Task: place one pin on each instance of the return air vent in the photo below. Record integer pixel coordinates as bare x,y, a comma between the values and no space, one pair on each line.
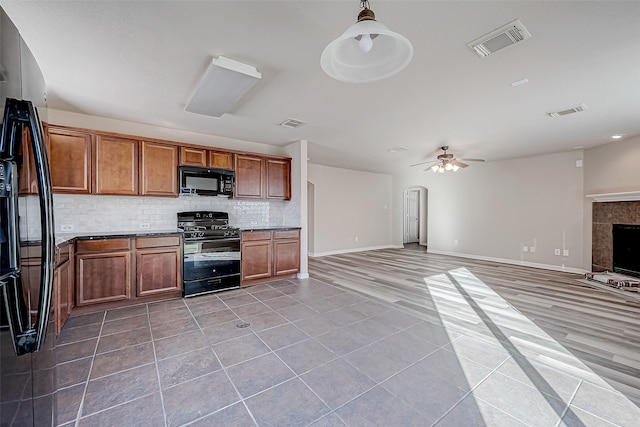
507,35
566,111
292,123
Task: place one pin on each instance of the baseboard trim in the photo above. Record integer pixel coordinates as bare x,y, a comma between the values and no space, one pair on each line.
512,262
347,251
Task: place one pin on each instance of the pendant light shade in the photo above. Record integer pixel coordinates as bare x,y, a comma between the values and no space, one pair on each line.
366,52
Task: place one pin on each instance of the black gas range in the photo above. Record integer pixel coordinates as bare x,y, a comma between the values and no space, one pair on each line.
211,252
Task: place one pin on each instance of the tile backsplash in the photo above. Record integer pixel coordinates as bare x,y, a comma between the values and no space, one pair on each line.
78,213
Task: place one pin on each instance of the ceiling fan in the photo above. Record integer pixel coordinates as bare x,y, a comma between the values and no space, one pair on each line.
446,162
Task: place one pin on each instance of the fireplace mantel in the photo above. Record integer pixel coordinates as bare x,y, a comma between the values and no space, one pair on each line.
630,196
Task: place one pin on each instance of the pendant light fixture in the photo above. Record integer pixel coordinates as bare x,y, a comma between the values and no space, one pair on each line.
367,51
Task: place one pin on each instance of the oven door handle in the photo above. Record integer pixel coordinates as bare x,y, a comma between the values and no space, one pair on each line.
235,255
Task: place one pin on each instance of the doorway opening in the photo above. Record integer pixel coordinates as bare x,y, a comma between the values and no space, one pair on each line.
415,216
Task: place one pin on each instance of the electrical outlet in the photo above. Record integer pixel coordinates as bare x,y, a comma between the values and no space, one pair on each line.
532,249
525,249
66,227
145,225
557,251
565,252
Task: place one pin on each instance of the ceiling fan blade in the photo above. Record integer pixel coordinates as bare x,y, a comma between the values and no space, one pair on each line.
458,163
473,160
422,163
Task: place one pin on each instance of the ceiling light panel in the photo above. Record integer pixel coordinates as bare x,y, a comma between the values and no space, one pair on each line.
221,86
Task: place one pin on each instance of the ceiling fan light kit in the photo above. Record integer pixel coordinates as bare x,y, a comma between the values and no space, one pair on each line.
367,51
446,162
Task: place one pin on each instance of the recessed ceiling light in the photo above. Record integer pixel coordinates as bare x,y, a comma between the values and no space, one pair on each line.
519,82
617,136
397,149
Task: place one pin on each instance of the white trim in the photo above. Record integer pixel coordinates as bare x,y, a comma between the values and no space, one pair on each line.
346,251
302,275
629,196
512,261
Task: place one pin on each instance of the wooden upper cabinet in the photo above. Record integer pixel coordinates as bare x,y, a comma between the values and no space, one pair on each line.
278,179
193,156
249,176
27,179
115,166
159,169
220,160
69,160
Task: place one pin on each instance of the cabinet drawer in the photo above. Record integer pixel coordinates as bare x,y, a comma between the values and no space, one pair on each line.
256,235
103,245
157,242
288,234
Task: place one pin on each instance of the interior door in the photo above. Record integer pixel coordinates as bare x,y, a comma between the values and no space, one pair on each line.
412,216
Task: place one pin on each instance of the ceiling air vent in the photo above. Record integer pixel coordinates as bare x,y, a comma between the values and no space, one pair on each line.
292,123
566,111
500,38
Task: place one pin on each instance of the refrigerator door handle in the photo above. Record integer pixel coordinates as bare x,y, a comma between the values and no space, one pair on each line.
29,338
47,226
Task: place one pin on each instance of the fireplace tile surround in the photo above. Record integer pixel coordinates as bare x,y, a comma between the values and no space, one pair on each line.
605,214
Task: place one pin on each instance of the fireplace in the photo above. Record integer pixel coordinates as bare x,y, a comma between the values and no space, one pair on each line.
626,249
609,218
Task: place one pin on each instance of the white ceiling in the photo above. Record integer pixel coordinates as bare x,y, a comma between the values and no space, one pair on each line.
140,61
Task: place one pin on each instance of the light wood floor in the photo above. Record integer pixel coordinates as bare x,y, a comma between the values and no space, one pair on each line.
599,327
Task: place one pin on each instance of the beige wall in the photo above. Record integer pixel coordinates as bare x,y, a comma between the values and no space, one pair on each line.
613,168
494,209
348,204
609,168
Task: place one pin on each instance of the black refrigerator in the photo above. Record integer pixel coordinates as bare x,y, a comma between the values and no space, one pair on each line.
27,243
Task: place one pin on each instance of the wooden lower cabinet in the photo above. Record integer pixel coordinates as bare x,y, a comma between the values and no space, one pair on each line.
158,265
286,256
269,255
103,277
63,291
256,259
124,269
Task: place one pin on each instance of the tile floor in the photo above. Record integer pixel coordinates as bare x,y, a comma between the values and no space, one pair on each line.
303,352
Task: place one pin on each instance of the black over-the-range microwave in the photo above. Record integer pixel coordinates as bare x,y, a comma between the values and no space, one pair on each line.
206,181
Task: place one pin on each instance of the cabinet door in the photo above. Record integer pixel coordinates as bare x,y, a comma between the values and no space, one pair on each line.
193,156
69,160
249,176
116,166
278,179
159,169
103,277
62,293
158,271
286,257
220,160
256,259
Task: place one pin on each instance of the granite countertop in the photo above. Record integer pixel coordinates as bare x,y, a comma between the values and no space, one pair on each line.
270,228
96,235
